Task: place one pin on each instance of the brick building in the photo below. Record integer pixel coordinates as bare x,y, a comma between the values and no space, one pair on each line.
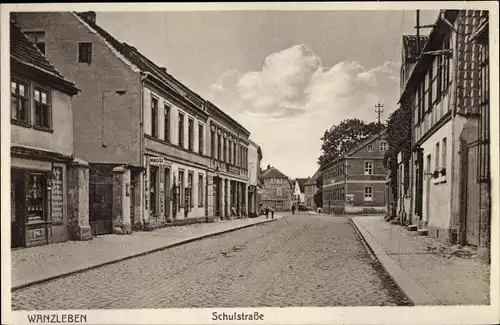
277,190
46,180
355,182
310,189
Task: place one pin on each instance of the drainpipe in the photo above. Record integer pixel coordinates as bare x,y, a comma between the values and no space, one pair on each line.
142,77
453,108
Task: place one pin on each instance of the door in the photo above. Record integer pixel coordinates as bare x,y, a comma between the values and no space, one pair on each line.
167,194
471,196
427,190
17,197
101,200
218,199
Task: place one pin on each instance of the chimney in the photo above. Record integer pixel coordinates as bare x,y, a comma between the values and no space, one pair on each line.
89,15
163,69
268,166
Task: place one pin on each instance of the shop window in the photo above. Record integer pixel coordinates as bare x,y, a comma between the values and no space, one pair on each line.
153,189
190,189
19,101
181,189
200,190
43,111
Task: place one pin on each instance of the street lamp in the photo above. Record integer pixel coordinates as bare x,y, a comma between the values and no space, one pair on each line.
103,96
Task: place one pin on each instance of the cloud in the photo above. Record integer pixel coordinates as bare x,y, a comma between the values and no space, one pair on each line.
293,98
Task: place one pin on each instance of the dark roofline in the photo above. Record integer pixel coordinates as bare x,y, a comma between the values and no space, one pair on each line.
227,117
424,62
355,149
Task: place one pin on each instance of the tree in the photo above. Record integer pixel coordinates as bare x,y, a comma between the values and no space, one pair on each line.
343,137
318,196
399,140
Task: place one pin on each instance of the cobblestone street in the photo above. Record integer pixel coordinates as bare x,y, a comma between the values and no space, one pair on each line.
301,260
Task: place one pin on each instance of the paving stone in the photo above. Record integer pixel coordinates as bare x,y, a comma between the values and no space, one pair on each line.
301,261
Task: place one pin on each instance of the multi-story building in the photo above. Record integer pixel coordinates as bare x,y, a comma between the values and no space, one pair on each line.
443,93
45,177
277,190
228,164
254,174
310,190
144,134
299,196
355,182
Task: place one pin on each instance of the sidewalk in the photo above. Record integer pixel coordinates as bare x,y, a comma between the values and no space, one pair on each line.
429,272
38,264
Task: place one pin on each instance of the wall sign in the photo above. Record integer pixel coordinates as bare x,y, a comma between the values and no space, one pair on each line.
158,161
57,194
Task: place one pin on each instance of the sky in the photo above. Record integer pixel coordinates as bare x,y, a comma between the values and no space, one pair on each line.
286,76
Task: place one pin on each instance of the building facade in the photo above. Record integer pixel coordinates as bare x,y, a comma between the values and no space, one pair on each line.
46,180
147,137
355,182
227,164
444,94
299,196
277,191
310,190
254,174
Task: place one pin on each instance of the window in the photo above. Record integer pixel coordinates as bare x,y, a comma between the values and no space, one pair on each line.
224,157
230,152
443,153
219,145
279,192
446,65
370,148
368,167
436,166
383,146
19,101
190,134
200,190
200,138
234,154
212,143
153,189
181,188
181,130
42,108
166,117
37,38
190,186
368,193
85,52
154,117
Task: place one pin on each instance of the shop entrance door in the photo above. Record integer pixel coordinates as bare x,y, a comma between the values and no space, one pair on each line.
17,197
101,200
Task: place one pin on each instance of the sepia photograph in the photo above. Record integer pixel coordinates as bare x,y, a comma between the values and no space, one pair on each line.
230,164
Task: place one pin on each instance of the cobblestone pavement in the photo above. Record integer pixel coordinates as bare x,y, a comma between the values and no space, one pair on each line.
450,279
300,260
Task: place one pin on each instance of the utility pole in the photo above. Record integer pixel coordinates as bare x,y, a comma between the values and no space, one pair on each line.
379,111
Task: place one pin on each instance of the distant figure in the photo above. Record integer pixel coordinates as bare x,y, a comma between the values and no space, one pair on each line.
233,211
243,212
272,212
293,209
267,213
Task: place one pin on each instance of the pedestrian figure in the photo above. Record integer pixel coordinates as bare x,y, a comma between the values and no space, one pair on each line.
243,212
272,212
233,211
293,209
267,213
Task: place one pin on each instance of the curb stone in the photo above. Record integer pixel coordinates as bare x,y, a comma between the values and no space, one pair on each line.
412,289
150,251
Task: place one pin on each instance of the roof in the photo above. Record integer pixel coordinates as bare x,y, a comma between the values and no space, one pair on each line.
362,144
272,172
302,183
312,180
436,36
26,53
410,47
143,63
